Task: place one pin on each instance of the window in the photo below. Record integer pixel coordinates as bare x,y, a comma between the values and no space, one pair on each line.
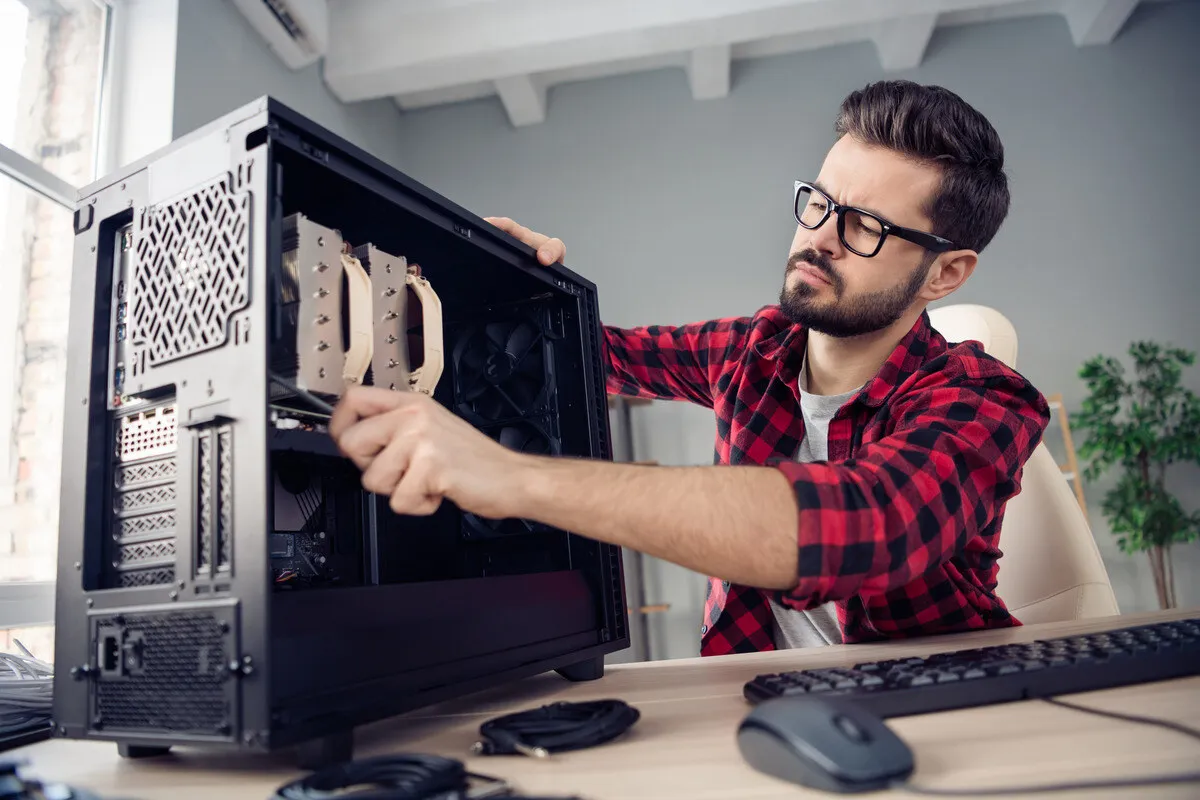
51,59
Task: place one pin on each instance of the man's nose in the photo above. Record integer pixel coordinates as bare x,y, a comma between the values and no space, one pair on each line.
825,238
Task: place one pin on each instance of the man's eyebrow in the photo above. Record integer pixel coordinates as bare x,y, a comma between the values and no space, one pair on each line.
876,212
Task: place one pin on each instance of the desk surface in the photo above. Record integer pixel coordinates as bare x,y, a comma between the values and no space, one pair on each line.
683,746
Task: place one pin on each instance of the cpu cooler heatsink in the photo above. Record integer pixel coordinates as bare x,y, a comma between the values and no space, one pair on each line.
347,310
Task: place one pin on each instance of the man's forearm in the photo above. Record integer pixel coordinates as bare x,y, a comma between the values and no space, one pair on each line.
735,523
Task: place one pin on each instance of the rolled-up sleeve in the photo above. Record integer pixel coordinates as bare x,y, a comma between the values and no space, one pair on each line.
672,362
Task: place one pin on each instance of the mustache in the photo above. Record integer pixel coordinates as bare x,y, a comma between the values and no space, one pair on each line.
815,259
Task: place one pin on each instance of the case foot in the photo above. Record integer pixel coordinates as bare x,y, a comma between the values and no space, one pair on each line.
590,670
141,751
326,751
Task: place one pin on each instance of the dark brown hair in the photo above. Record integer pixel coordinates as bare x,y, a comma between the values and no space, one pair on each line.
934,125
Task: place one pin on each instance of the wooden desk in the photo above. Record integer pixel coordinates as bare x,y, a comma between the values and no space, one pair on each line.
683,746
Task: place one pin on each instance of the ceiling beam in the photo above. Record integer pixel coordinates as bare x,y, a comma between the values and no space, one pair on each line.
708,71
901,43
379,48
523,99
1097,21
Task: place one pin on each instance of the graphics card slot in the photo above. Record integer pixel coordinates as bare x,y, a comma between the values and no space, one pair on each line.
140,547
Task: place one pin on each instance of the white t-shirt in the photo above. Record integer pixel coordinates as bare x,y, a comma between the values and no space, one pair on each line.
814,627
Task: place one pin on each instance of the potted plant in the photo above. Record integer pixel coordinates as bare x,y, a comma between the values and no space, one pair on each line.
1142,424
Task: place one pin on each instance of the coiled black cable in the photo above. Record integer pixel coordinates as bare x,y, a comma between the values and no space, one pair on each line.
556,727
405,776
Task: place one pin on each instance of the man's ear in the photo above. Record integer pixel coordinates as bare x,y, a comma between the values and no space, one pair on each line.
949,272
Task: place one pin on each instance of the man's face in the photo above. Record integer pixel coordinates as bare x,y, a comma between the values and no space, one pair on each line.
831,289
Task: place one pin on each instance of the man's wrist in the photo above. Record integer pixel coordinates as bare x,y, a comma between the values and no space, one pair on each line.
528,485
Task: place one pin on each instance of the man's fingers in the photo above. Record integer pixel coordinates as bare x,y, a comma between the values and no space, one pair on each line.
384,473
414,495
364,440
360,402
513,228
553,250
548,250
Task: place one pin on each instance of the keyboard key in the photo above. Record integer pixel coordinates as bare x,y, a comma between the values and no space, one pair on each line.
1001,673
1003,668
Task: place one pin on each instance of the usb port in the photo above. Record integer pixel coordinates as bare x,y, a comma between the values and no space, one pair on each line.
121,333
121,312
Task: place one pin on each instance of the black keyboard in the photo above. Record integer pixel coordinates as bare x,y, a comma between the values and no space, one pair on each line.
1000,674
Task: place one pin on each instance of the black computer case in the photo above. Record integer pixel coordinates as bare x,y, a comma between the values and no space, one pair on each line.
223,578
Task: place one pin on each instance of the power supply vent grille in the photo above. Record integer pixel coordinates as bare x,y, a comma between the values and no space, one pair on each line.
180,681
190,274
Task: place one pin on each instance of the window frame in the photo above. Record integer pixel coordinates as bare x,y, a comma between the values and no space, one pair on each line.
26,604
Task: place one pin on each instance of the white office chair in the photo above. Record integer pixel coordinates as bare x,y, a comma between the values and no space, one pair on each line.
1051,569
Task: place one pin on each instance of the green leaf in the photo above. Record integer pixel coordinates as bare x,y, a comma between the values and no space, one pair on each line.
1140,423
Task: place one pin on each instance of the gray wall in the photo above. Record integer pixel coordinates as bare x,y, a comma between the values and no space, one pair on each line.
679,210
222,63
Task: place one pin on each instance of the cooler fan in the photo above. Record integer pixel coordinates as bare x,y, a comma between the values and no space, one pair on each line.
501,369
526,438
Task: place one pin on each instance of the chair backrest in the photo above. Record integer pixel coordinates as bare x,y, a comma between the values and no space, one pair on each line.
1051,569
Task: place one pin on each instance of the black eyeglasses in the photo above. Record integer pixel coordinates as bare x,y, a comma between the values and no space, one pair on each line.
860,231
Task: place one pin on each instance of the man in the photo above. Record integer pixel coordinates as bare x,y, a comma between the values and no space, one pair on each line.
864,463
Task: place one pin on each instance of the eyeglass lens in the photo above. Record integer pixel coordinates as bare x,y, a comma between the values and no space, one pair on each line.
860,233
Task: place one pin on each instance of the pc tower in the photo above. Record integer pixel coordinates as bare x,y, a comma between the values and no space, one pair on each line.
224,579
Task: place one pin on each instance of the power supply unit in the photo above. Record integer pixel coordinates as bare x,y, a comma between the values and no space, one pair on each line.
224,580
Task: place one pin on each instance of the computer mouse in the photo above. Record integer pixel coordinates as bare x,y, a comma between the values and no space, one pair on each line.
823,743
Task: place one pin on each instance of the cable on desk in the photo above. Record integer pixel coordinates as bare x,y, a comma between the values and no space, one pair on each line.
404,776
1162,723
555,727
1111,783
15,787
26,693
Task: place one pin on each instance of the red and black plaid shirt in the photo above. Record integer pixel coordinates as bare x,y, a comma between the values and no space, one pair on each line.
900,527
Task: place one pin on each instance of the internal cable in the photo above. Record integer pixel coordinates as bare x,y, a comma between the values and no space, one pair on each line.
310,398
555,728
1111,783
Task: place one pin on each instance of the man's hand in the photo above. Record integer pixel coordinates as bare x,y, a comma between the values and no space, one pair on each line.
733,522
548,250
416,452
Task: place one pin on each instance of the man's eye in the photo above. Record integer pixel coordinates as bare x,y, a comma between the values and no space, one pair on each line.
866,230
817,206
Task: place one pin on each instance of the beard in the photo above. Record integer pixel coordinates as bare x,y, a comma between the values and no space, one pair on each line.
844,318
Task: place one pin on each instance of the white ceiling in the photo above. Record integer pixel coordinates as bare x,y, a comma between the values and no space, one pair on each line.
422,53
